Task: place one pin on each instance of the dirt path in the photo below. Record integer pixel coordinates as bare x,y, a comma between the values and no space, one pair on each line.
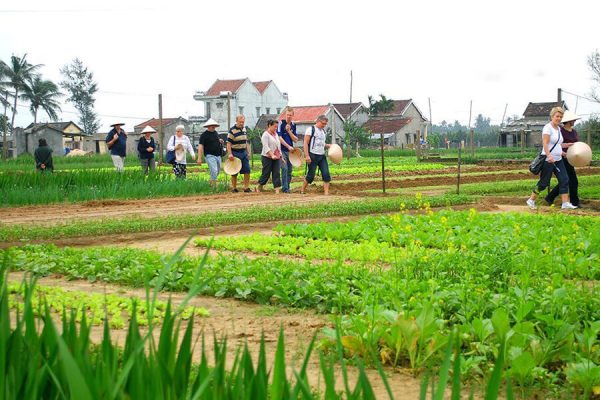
58,213
245,323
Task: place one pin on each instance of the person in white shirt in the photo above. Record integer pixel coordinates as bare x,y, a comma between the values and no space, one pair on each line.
551,140
314,149
181,144
270,157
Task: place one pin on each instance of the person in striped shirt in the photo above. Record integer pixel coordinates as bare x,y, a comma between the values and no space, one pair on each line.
237,146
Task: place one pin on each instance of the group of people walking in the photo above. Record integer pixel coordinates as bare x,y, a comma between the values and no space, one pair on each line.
277,143
556,140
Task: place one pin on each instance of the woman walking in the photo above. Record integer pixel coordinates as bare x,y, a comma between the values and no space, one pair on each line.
270,157
552,140
181,144
146,148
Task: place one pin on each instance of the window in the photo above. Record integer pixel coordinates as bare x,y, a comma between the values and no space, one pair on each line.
207,109
268,110
219,106
278,110
241,110
258,111
407,138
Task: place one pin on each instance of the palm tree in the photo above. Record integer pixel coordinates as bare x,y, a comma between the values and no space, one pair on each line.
4,101
18,73
42,94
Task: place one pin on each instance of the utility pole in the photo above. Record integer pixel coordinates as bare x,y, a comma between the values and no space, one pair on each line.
471,134
161,134
559,95
350,86
382,165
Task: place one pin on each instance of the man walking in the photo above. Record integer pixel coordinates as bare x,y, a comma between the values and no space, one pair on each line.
287,136
237,146
314,150
116,141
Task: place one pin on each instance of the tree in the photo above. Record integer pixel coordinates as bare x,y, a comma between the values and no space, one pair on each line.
594,64
381,106
4,102
42,94
17,74
482,124
355,135
80,85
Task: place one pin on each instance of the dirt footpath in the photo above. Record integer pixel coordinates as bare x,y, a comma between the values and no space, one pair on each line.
100,209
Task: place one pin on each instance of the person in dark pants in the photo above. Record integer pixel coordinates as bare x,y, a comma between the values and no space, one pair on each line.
287,136
552,139
237,146
43,157
314,149
146,148
570,136
271,157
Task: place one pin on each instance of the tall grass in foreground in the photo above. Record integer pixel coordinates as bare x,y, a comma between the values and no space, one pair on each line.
36,361
81,185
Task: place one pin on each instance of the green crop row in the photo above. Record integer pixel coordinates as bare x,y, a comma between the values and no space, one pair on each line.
95,306
9,233
74,186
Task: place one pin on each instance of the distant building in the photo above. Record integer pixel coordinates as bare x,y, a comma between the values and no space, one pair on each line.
251,99
59,135
529,128
306,116
401,127
356,112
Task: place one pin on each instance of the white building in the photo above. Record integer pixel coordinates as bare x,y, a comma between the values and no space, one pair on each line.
226,99
401,127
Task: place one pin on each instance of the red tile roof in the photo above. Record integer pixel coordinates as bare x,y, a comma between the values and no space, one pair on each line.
155,122
231,85
399,106
306,114
380,125
346,109
261,86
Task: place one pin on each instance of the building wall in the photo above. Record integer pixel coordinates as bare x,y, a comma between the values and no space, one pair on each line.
54,139
360,117
273,101
415,126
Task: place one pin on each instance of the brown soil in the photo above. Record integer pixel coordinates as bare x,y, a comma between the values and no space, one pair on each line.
101,209
245,323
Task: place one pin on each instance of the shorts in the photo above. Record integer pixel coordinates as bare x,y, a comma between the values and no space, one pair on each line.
242,155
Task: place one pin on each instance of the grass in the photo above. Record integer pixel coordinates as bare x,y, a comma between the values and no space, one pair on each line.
17,189
10,233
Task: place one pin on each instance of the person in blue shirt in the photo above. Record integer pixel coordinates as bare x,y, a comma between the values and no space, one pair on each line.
116,141
286,130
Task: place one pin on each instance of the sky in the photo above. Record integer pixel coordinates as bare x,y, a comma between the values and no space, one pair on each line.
495,54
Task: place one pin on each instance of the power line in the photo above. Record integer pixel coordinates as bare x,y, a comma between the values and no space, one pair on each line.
580,96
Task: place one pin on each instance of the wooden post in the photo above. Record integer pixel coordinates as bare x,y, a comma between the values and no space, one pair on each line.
458,175
161,133
472,140
382,166
589,136
418,145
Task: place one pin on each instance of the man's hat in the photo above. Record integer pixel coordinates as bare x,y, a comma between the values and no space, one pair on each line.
117,124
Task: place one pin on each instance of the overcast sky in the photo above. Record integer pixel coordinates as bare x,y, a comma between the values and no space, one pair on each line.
491,52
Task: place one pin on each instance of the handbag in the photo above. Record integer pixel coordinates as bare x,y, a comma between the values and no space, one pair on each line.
170,156
535,167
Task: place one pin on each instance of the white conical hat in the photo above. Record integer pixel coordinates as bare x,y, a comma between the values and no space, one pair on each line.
150,129
335,154
295,156
579,154
232,167
211,122
569,116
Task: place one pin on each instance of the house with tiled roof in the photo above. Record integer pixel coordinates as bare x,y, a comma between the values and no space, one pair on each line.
356,112
401,127
59,135
227,98
306,116
169,125
528,130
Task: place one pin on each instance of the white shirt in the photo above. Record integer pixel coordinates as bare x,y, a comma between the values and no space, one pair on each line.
185,142
269,143
555,136
318,143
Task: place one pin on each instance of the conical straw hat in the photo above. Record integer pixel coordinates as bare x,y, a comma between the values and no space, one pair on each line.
295,157
232,167
335,154
579,155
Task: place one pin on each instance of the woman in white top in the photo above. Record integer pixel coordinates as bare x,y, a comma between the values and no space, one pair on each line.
270,157
551,140
181,144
